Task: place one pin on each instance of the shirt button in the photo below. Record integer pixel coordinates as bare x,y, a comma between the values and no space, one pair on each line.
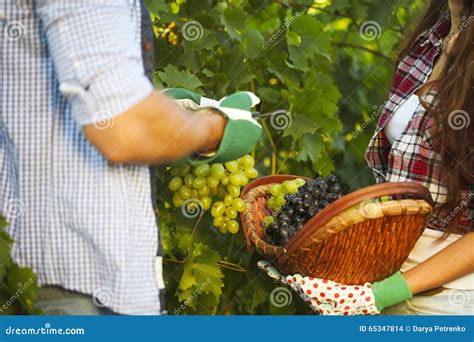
147,46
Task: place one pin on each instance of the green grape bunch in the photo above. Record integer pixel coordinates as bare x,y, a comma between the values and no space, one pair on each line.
213,186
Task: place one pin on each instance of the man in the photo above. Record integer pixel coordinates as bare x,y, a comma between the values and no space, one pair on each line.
79,123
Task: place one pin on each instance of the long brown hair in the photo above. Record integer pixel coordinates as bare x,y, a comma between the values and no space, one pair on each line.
454,101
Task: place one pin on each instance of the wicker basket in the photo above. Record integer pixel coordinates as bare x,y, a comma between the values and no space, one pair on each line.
351,241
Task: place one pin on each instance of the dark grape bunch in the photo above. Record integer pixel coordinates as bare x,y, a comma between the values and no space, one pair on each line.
313,196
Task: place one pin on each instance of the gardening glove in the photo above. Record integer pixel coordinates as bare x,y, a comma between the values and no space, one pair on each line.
330,298
242,131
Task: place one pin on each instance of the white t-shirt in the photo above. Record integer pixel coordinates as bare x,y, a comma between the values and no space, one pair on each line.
399,120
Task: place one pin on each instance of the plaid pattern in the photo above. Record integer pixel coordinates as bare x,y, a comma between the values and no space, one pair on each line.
415,156
78,221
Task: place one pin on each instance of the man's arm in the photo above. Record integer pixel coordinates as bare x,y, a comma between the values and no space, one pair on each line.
99,67
154,131
453,262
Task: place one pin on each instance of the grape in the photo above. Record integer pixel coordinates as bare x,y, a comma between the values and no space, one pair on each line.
231,213
204,191
291,187
202,170
188,180
218,209
175,183
225,180
331,179
206,202
280,200
199,182
251,173
177,200
185,192
212,182
246,162
233,190
238,204
223,228
194,193
232,166
228,200
217,171
233,226
218,221
277,189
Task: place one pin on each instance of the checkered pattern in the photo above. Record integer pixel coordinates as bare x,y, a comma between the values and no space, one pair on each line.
415,156
78,221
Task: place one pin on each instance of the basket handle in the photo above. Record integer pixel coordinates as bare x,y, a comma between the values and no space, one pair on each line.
379,190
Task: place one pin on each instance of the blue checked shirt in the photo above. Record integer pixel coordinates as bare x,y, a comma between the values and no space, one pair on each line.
80,222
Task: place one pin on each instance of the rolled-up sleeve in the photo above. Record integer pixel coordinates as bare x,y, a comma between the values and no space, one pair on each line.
96,55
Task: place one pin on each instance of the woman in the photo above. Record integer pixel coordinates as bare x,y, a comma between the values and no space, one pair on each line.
425,135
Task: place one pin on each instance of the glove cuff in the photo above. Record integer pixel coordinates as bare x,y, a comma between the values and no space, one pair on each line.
391,291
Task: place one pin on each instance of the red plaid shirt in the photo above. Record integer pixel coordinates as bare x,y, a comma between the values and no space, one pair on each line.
415,156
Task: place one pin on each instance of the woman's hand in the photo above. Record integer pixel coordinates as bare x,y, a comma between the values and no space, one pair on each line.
330,298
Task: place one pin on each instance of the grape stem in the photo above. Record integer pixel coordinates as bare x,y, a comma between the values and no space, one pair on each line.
272,145
222,263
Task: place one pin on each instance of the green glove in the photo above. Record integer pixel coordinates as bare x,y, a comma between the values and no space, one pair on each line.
391,291
242,131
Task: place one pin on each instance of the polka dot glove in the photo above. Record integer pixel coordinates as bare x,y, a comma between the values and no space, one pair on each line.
328,297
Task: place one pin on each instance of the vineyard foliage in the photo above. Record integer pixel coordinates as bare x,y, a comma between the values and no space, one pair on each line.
321,68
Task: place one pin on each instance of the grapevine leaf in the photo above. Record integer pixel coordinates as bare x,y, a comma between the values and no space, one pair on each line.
306,40
300,126
201,272
311,148
172,77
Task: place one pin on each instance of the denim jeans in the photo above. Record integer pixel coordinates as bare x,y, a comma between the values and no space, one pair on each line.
447,302
56,301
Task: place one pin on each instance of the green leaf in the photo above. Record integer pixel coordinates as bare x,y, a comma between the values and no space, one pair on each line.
252,44
201,273
156,6
21,282
311,148
234,21
306,40
174,78
301,125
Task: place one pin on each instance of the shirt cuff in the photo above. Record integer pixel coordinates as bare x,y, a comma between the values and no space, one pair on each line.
110,94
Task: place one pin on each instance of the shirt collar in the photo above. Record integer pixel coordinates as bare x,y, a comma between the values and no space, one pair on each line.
439,30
